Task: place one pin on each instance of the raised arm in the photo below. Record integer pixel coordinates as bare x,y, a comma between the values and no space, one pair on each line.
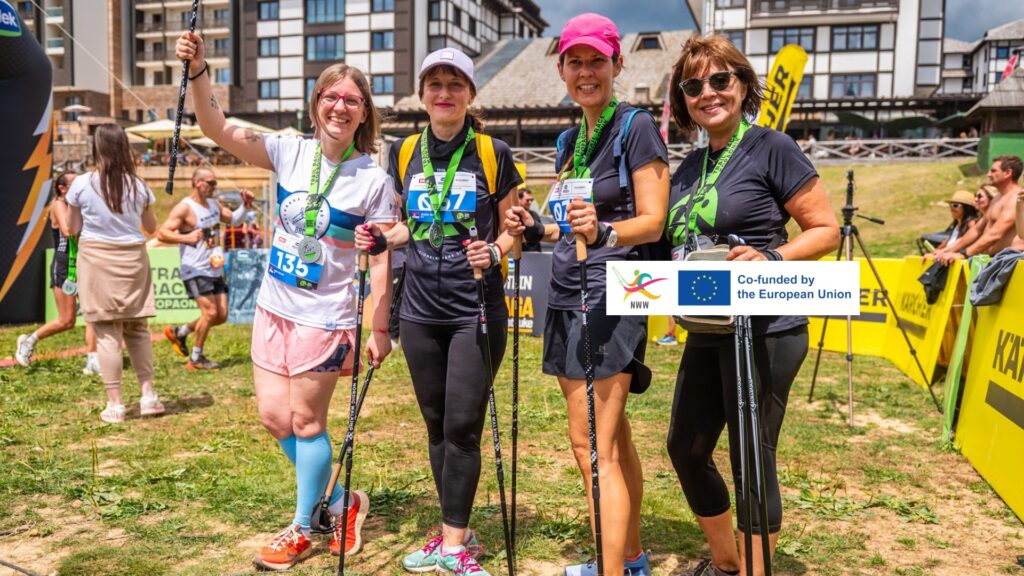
245,144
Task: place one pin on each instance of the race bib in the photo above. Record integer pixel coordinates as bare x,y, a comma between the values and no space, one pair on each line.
458,208
286,266
562,194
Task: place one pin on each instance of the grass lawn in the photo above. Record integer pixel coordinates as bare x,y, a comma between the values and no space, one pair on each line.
199,490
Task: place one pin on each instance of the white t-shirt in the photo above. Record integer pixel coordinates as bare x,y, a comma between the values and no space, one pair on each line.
98,222
361,193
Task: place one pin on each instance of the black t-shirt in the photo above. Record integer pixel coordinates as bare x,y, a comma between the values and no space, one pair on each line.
643,145
765,171
439,285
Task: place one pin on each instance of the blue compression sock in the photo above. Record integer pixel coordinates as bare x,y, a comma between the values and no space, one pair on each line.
312,472
288,447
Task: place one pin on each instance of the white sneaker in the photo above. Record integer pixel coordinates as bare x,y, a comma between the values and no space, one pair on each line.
113,414
150,406
92,366
23,354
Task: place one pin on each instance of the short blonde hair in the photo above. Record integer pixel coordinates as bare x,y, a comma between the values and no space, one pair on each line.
368,133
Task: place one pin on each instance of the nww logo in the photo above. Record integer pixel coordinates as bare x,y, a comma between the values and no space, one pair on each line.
639,285
9,25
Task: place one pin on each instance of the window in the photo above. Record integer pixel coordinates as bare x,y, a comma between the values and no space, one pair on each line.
435,10
310,85
325,47
222,46
472,26
849,38
222,75
383,5
25,7
1002,52
457,16
158,78
782,36
318,11
222,16
649,42
853,86
805,91
269,46
730,3
269,88
383,84
736,37
268,10
383,40
435,43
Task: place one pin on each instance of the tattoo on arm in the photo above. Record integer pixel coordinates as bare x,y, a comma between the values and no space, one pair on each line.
251,136
213,103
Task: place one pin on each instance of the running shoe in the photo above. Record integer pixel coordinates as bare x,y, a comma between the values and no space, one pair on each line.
667,340
462,564
705,568
425,559
638,567
203,363
150,406
180,343
92,367
23,353
288,548
356,515
113,414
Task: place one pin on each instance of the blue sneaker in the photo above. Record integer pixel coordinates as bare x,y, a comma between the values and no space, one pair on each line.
638,567
667,340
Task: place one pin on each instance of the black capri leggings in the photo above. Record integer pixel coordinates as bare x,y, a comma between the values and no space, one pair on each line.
705,401
449,377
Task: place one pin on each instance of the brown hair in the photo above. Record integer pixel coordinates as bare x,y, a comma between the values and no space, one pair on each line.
476,117
698,54
368,133
62,180
1011,163
115,164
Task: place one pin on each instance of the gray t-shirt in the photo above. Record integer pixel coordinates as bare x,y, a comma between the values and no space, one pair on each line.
643,145
439,286
766,171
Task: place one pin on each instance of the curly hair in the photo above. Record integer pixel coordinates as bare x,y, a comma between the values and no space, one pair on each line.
700,53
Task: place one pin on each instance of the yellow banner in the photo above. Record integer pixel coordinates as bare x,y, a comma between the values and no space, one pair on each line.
991,428
781,87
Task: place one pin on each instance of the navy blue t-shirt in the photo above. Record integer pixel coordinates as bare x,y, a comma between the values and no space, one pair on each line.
643,145
766,170
439,285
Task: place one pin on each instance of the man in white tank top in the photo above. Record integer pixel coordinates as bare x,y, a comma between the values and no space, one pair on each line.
194,224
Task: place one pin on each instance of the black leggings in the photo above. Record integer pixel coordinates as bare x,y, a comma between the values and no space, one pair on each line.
705,401
449,377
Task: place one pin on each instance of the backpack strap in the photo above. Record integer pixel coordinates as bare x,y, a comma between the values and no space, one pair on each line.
619,145
485,150
405,155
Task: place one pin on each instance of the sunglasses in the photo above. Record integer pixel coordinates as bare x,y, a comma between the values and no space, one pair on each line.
955,205
331,99
210,183
719,82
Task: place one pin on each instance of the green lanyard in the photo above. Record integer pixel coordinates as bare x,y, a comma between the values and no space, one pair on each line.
437,200
585,148
316,197
707,182
73,258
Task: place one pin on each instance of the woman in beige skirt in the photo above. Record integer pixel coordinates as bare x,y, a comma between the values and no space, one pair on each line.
108,209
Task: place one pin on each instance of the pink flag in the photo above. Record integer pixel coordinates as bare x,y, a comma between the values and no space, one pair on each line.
1010,67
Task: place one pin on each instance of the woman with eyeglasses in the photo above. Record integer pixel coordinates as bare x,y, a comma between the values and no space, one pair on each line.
749,181
305,325
453,181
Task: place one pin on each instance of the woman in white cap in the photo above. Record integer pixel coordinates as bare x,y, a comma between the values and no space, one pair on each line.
451,179
616,222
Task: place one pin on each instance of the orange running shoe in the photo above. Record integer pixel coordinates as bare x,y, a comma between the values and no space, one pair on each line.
356,515
288,548
180,344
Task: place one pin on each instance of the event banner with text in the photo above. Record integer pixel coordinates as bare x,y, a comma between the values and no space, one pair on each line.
745,288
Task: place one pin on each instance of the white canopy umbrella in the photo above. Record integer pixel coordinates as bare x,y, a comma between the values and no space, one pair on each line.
249,125
164,129
205,142
76,108
289,131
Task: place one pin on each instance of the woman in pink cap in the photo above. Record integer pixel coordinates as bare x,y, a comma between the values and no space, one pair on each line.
617,224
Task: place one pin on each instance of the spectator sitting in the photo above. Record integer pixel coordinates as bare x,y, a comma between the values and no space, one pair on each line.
965,214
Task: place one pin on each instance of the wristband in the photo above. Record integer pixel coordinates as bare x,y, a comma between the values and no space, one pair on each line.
206,68
380,244
534,233
772,255
381,330
603,232
495,254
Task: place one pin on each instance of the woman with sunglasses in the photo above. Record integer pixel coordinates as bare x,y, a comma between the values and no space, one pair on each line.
749,181
948,250
442,177
615,223
965,216
305,326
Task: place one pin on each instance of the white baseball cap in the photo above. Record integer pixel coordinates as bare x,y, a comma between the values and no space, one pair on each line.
449,57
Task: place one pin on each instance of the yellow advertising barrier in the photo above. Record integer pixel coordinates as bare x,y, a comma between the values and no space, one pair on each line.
990,432
781,87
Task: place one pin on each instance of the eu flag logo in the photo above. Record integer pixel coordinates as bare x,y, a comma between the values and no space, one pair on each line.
705,288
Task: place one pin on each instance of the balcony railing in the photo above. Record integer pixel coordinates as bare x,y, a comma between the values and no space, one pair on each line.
218,52
153,55
175,25
150,27
787,7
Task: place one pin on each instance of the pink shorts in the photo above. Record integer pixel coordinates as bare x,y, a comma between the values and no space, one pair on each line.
286,348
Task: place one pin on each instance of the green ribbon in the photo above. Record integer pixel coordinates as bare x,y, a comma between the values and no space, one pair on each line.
73,258
316,196
436,199
585,147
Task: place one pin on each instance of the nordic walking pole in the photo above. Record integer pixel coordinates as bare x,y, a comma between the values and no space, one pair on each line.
478,275
173,164
743,497
588,366
517,254
755,440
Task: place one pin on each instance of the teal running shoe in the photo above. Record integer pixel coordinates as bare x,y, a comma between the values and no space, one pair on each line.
425,559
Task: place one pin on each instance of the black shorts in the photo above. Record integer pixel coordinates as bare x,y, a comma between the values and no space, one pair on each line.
205,286
620,344
58,269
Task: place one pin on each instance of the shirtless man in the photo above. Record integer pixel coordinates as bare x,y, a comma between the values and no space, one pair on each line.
194,224
999,230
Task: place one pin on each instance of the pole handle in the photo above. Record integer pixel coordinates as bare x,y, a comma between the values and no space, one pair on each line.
478,274
364,261
581,248
517,247
335,472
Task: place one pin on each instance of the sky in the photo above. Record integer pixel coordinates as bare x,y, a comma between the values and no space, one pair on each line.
965,19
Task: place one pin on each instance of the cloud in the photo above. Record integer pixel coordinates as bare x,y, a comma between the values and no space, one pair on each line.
969,19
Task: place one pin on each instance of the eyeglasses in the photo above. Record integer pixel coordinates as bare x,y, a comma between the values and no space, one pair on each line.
210,183
955,205
719,82
331,100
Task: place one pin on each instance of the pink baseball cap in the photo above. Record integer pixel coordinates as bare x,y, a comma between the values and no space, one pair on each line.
591,30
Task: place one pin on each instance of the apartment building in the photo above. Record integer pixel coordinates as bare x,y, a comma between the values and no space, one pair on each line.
977,67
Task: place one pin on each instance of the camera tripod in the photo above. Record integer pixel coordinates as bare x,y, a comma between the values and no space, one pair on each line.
849,233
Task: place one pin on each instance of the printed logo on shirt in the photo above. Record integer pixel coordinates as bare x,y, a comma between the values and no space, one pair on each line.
9,24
